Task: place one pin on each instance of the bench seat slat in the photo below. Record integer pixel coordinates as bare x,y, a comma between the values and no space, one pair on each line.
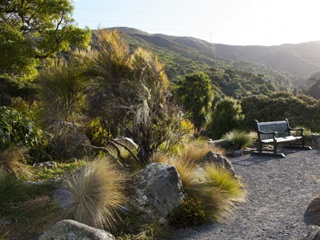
282,139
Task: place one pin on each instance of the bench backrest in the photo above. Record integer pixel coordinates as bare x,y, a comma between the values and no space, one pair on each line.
282,127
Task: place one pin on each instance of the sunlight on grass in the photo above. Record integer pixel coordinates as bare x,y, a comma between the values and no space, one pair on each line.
98,193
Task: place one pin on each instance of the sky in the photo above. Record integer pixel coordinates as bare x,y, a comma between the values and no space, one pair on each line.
235,22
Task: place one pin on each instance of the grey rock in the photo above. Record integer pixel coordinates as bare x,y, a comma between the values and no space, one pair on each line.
312,214
219,160
314,234
72,230
64,198
48,165
157,191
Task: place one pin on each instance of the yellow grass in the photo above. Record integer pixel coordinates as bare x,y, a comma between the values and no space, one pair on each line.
98,191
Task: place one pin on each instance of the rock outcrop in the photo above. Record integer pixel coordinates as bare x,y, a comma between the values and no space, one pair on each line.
156,191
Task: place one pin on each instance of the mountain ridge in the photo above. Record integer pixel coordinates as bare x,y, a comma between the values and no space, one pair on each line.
302,59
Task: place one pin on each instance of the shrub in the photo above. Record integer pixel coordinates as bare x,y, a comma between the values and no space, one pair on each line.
226,116
98,193
237,140
300,110
188,214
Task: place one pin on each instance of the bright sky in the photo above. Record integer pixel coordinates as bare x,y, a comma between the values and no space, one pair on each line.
236,22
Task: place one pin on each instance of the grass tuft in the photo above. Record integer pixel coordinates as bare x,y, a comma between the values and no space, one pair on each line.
213,188
11,161
98,193
236,140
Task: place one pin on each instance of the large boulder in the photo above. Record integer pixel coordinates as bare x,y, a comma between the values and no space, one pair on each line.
312,219
218,159
72,230
314,234
156,191
312,214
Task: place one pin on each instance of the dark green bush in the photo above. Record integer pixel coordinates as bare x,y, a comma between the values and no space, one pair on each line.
300,110
16,128
226,116
189,213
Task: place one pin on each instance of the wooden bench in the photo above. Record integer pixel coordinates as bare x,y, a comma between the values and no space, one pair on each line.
278,132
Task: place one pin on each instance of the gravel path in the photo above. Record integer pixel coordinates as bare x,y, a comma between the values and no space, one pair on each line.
279,191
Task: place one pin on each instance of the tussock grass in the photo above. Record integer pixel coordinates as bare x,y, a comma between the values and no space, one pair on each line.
196,151
237,140
213,187
12,191
98,191
11,161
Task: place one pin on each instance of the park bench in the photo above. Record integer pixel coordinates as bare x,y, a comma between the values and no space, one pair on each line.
279,132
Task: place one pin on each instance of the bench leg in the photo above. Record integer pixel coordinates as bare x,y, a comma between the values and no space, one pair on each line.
260,147
275,148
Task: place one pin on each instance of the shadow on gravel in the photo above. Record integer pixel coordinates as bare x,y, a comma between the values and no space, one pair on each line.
252,159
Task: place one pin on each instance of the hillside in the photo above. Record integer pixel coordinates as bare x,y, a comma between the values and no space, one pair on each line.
298,59
285,67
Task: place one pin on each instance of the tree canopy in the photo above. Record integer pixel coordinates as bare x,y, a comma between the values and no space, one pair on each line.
32,30
195,93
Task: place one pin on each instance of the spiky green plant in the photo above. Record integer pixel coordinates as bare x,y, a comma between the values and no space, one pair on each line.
194,152
237,139
11,191
218,191
212,186
98,193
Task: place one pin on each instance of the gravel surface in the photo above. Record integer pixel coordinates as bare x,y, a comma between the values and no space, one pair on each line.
278,193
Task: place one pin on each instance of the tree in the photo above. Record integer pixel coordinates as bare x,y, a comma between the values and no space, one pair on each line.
33,30
226,116
195,94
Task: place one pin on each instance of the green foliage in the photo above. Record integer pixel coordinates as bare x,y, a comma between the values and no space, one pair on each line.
130,93
12,87
17,128
62,93
220,190
300,110
236,139
12,191
98,193
33,30
63,168
188,214
195,93
212,188
226,116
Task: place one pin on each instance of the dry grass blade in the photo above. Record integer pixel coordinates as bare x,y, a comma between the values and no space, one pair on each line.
98,193
11,162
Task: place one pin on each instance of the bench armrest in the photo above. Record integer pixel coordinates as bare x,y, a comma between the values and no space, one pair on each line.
298,129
